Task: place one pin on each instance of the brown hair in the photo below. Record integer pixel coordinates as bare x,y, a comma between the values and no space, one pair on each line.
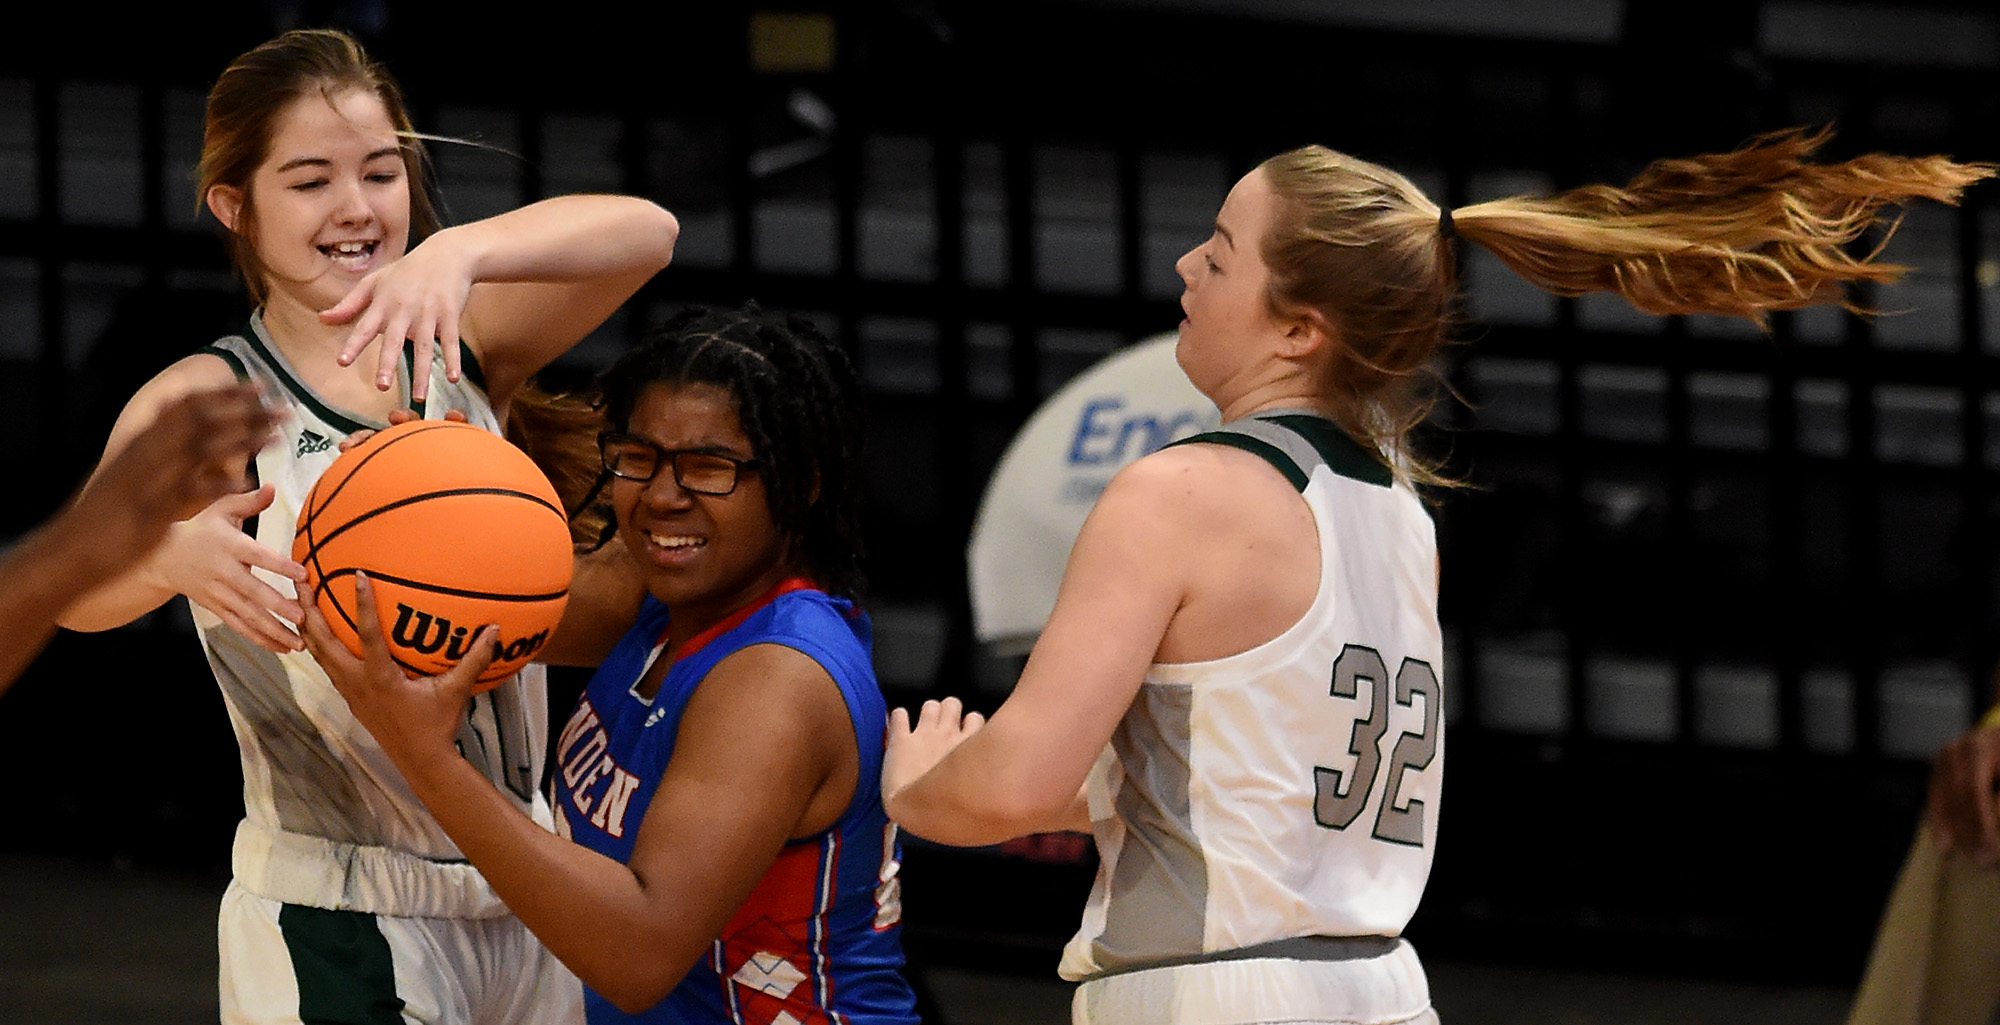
256,88
1741,233
558,430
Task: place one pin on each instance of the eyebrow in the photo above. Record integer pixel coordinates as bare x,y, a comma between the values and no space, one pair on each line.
708,449
1226,236
298,162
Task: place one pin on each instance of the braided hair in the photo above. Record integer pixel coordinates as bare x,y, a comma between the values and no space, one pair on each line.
797,398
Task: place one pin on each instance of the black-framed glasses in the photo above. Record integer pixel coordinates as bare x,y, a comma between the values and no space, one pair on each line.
704,473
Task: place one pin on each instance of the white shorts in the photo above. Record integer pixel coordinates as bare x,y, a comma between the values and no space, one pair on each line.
1387,990
290,963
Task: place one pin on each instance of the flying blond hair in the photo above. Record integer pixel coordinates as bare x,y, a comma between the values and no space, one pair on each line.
1741,233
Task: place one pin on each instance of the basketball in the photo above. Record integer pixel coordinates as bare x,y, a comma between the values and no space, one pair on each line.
456,528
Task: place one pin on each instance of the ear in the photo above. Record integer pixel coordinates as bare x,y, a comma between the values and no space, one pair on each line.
226,203
1306,333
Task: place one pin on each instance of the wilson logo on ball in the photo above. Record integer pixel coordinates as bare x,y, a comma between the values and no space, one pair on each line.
425,634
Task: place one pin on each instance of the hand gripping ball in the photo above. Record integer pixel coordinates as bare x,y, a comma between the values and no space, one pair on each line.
456,528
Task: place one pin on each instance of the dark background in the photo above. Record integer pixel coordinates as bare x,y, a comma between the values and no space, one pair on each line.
1712,598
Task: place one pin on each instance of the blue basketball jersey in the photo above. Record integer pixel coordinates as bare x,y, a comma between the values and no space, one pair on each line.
819,939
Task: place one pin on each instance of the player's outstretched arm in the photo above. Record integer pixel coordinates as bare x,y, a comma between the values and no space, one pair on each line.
194,451
519,288
953,780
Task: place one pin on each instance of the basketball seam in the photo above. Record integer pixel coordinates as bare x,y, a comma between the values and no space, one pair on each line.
313,509
314,544
456,592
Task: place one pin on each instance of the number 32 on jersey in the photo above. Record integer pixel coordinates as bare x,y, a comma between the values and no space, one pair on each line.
1341,796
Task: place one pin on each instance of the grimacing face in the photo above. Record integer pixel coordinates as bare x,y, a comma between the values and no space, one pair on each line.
703,555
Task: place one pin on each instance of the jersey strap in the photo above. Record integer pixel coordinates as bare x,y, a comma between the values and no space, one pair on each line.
235,362
1294,443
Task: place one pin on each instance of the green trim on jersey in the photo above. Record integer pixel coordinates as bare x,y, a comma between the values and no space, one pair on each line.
298,389
1341,454
1262,449
467,363
343,966
235,362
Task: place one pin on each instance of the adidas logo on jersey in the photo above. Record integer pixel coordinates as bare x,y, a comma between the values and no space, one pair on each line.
310,442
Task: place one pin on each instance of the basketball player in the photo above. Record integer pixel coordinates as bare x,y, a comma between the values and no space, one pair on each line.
1247,628
348,901
192,454
731,860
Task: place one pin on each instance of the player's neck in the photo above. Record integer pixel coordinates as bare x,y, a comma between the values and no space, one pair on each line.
312,348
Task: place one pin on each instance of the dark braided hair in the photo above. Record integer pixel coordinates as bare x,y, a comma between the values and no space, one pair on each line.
797,397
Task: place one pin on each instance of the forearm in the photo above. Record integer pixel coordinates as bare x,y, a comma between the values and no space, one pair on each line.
592,912
568,239
40,577
106,596
976,796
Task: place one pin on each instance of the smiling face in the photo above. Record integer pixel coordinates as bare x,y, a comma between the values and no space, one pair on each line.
703,555
1225,281
329,203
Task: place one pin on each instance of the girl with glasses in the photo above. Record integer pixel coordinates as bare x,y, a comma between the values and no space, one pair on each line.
731,860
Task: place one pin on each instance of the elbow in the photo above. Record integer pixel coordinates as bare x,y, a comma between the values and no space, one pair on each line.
83,619
1037,812
634,1001
643,971
635,990
665,232
1002,816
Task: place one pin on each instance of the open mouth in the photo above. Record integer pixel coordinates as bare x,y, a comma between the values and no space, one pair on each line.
676,542
349,252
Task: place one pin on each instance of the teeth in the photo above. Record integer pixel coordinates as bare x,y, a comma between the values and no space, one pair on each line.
350,248
674,541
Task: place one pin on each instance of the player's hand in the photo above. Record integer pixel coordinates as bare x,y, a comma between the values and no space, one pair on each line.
420,297
1964,785
396,416
914,749
209,558
197,450
414,719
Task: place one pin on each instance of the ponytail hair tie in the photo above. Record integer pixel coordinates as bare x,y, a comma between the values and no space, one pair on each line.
1446,229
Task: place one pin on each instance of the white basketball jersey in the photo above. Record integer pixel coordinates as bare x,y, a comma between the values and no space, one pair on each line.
315,783
1290,790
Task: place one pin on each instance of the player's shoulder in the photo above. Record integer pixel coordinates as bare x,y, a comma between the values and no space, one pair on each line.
195,372
1197,473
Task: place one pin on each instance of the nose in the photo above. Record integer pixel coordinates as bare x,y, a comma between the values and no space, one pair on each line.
664,492
353,207
1185,266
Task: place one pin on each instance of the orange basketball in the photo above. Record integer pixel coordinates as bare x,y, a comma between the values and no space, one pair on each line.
456,528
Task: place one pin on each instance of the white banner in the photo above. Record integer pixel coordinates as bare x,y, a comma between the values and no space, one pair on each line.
1127,405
